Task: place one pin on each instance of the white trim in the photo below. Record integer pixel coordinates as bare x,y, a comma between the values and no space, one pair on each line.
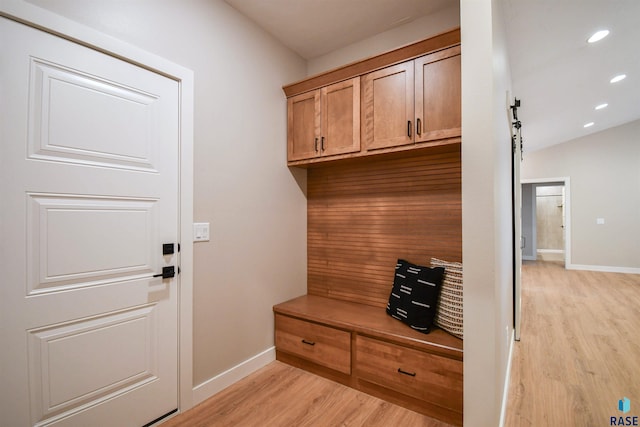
556,255
50,22
185,303
45,20
507,380
542,180
604,268
221,381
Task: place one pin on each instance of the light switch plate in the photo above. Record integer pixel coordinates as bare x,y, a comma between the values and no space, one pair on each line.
200,231
599,221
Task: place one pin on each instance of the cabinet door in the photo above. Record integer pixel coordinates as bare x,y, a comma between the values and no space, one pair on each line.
438,95
387,109
320,344
428,377
303,126
340,118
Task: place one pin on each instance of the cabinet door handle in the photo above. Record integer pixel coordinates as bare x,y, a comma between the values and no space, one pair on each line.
308,342
315,145
409,128
411,374
322,143
419,127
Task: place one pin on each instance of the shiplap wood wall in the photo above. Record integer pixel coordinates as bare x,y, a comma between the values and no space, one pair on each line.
364,215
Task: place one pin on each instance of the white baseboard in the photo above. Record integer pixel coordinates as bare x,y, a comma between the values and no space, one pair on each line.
604,268
203,391
550,254
507,378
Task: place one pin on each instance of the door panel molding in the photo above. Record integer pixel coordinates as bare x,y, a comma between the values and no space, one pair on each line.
59,92
129,333
96,224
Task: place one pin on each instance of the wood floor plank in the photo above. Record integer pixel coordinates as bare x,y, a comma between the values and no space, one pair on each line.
579,347
281,395
578,355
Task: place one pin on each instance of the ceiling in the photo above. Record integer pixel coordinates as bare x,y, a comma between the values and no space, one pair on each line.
556,74
561,78
315,27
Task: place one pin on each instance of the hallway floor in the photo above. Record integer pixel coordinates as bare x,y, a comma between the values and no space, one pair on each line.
579,351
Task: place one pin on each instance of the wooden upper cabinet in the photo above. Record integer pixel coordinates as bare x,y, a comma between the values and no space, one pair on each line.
303,126
408,98
340,118
412,102
325,121
438,95
387,106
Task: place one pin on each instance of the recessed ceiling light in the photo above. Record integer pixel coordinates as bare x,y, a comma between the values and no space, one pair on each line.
618,78
588,125
597,36
601,106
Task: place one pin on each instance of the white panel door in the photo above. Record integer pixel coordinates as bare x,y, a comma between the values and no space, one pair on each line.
89,193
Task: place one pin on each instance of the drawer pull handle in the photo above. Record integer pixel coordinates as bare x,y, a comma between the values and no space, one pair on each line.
411,374
310,343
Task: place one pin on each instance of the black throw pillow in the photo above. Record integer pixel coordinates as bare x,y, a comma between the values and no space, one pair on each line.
414,295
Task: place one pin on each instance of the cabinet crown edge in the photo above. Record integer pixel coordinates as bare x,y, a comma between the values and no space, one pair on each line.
432,44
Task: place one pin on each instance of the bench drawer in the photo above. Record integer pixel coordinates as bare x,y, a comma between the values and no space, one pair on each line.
320,344
425,376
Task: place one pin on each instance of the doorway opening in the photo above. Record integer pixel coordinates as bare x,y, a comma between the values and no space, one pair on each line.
546,220
528,227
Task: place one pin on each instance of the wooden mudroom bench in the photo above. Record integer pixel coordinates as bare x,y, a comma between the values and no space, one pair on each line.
380,139
362,347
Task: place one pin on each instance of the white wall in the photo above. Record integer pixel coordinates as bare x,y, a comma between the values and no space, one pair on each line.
419,29
604,168
255,204
486,211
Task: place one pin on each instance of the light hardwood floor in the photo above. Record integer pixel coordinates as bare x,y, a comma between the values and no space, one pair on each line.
579,350
579,354
281,395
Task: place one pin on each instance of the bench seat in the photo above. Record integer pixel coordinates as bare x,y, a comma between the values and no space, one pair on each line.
362,347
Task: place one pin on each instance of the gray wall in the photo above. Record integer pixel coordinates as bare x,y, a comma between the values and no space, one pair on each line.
604,172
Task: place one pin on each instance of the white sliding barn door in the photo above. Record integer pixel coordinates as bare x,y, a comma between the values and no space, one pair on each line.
518,242
89,192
